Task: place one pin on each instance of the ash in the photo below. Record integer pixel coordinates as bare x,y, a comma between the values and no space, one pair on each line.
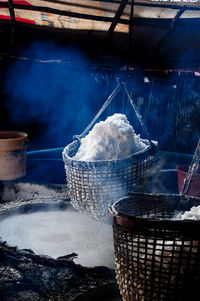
111,139
56,233
25,276
30,191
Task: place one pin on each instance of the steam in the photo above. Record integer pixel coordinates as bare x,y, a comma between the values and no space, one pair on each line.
53,101
53,92
111,139
60,233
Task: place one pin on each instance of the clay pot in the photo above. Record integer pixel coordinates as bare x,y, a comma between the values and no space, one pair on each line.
12,155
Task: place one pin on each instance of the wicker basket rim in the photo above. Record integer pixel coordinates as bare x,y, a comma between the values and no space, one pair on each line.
114,213
147,148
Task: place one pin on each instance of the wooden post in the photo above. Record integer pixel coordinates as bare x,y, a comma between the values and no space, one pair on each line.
12,16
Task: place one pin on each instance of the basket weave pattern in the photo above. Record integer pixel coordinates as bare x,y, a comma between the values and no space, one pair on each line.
156,260
93,186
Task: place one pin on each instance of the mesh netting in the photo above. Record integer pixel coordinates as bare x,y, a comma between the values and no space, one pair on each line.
155,258
93,186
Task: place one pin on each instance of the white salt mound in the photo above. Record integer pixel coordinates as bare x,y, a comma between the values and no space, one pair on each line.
111,139
193,213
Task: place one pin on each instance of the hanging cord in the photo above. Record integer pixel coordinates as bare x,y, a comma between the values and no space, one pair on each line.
191,171
106,103
120,85
139,117
130,36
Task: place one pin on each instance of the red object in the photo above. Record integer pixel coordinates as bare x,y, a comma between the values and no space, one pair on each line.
195,186
2,17
18,2
22,2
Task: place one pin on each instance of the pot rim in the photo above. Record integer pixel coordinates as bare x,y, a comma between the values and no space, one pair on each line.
180,169
18,136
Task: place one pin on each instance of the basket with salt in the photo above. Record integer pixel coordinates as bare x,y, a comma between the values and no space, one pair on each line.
157,244
96,178
157,258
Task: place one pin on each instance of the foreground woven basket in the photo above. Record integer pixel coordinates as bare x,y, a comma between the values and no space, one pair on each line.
93,186
155,258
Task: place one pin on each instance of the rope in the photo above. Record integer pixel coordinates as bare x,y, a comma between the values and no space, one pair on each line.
191,171
139,117
107,102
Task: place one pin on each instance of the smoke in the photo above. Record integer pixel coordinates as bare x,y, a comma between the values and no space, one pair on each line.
53,100
54,92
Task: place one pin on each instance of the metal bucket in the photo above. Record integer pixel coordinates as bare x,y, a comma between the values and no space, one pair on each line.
12,155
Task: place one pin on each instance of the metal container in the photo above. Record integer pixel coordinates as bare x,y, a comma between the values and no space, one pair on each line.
12,155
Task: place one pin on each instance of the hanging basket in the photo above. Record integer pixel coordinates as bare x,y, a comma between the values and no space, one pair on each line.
94,185
156,258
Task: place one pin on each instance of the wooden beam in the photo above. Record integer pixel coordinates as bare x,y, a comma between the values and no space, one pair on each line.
64,13
167,4
166,34
11,10
116,18
12,17
130,38
111,29
193,6
169,31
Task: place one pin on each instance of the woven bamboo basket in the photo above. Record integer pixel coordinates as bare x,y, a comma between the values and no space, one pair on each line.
94,185
156,258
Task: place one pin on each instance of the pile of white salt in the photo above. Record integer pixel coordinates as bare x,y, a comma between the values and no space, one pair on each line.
193,213
111,139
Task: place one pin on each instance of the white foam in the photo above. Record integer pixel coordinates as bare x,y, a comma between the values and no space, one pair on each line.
111,139
59,233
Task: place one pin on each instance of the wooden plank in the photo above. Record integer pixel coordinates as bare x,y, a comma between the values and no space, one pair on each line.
116,17
168,32
98,15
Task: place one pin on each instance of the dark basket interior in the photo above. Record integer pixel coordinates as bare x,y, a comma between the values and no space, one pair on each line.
156,258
